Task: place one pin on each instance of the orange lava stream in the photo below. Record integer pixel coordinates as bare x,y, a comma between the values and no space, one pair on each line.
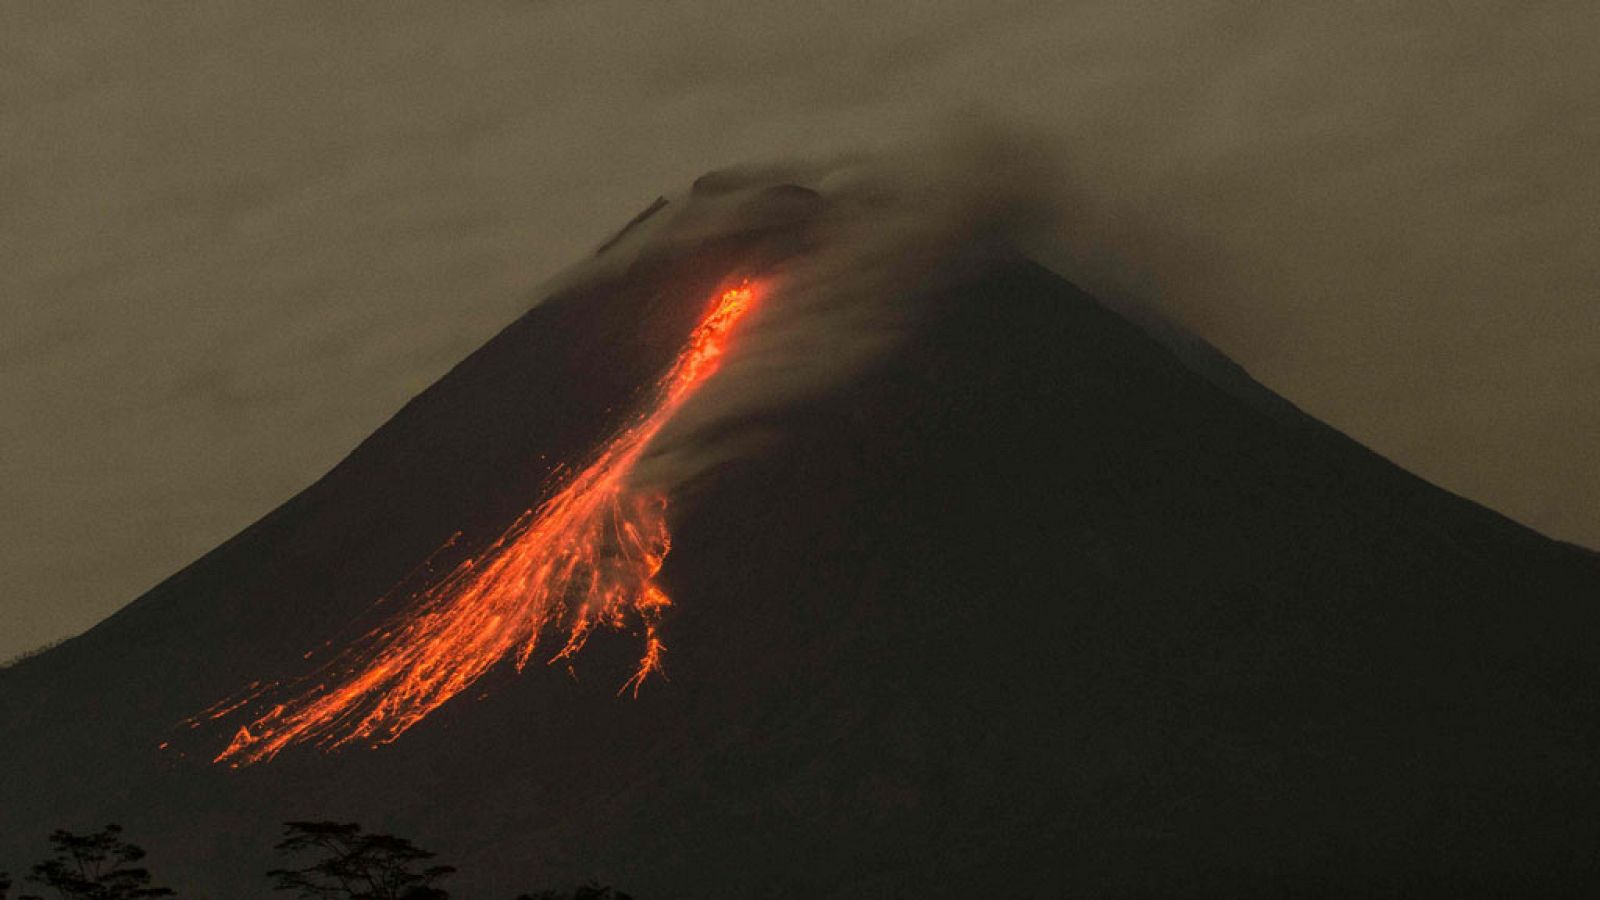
586,557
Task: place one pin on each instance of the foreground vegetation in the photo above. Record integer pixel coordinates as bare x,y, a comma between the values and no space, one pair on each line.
332,861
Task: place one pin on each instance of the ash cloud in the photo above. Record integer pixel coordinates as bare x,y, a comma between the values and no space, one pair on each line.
878,230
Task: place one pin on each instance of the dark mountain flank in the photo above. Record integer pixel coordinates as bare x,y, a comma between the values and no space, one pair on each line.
1026,606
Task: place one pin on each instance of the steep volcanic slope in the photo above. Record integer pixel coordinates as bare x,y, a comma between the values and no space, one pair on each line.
1027,606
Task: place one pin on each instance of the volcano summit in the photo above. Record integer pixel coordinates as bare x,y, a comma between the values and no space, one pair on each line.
976,588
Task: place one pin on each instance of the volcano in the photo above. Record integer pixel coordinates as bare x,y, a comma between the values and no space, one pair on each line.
1025,598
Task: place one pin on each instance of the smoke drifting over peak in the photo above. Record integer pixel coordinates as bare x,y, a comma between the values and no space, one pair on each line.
858,239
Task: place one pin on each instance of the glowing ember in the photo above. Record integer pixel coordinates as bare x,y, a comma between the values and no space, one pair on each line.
585,558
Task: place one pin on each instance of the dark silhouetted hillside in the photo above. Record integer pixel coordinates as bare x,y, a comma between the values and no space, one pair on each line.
1028,604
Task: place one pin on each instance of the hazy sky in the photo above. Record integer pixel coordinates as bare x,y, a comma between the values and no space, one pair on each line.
236,236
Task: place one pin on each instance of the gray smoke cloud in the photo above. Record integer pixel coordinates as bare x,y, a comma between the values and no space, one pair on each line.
878,229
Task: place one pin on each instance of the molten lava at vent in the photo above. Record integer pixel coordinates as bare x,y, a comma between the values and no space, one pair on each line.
587,557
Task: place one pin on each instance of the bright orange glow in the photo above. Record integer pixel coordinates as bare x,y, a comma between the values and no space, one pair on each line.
586,557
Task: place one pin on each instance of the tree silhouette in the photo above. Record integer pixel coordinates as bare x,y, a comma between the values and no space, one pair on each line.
588,891
5,885
97,866
353,865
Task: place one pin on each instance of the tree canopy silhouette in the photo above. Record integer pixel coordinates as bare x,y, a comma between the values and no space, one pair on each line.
343,862
95,866
350,864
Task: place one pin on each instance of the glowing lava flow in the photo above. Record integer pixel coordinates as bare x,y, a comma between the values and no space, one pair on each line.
586,557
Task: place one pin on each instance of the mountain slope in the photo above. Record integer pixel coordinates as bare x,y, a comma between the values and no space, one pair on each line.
1026,605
